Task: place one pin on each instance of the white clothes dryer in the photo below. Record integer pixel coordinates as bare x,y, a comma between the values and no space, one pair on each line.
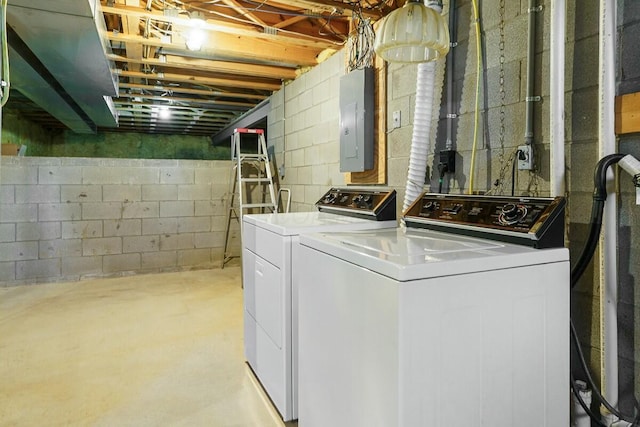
271,278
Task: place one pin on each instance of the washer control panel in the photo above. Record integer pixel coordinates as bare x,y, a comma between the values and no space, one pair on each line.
537,222
366,203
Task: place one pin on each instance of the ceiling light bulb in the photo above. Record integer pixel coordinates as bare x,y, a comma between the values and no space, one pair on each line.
196,35
413,33
164,113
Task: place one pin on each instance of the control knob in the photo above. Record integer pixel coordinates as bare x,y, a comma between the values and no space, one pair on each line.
429,206
329,198
510,211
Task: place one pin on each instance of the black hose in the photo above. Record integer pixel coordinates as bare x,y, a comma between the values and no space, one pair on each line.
591,244
599,197
590,381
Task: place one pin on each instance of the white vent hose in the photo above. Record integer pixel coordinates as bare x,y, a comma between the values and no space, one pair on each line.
420,140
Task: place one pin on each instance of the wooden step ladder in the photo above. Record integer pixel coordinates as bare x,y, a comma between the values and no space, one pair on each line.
251,178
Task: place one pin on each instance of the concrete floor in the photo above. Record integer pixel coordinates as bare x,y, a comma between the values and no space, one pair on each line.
146,350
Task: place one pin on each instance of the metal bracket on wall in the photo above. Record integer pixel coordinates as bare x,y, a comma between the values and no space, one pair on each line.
533,98
535,9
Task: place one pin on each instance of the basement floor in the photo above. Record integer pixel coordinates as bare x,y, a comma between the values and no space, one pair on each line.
147,350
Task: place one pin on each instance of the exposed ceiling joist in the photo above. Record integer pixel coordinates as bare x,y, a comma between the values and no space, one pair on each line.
250,49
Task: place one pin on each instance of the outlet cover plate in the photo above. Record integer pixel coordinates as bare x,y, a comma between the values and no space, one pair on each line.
525,159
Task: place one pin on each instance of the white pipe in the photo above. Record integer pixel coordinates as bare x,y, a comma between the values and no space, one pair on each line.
420,140
580,416
558,31
608,240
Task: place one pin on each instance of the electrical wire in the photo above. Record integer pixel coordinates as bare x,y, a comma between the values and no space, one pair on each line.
476,113
181,6
361,42
4,78
594,387
513,172
442,169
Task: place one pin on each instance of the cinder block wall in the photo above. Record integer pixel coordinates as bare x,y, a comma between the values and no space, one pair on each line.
68,218
304,133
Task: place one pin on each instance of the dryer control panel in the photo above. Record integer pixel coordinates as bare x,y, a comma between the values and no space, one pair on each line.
377,205
537,222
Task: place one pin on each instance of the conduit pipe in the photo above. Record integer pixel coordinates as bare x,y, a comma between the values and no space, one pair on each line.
558,31
608,240
451,114
531,58
580,417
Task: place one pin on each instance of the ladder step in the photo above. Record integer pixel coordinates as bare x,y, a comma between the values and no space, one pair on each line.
257,170
258,205
245,130
261,157
255,180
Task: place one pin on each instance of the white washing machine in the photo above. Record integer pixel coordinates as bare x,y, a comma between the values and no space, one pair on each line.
271,278
419,327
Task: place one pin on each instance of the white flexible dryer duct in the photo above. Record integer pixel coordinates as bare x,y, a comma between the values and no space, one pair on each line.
422,118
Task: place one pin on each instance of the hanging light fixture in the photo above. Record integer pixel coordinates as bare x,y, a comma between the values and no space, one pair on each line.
413,33
196,35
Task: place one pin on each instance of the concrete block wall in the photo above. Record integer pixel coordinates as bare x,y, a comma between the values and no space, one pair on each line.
68,218
303,132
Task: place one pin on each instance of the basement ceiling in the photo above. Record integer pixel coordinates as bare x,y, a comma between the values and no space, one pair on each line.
250,48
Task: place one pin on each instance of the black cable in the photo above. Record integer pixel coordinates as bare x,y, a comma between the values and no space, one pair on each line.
591,244
592,384
513,172
599,197
442,169
582,403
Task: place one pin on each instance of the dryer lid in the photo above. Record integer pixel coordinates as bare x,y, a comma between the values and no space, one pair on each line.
414,254
294,223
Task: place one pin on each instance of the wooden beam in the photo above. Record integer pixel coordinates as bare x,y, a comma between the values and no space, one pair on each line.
223,27
176,117
228,82
149,106
235,48
244,12
180,89
627,113
185,63
290,21
198,101
330,6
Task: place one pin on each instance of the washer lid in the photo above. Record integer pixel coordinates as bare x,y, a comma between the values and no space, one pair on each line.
294,223
414,254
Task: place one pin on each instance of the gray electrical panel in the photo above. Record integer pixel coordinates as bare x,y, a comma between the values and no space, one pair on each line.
357,120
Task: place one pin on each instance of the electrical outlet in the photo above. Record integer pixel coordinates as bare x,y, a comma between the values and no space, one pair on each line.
396,119
448,159
525,157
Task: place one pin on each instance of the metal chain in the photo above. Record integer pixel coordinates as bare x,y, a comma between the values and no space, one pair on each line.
504,163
